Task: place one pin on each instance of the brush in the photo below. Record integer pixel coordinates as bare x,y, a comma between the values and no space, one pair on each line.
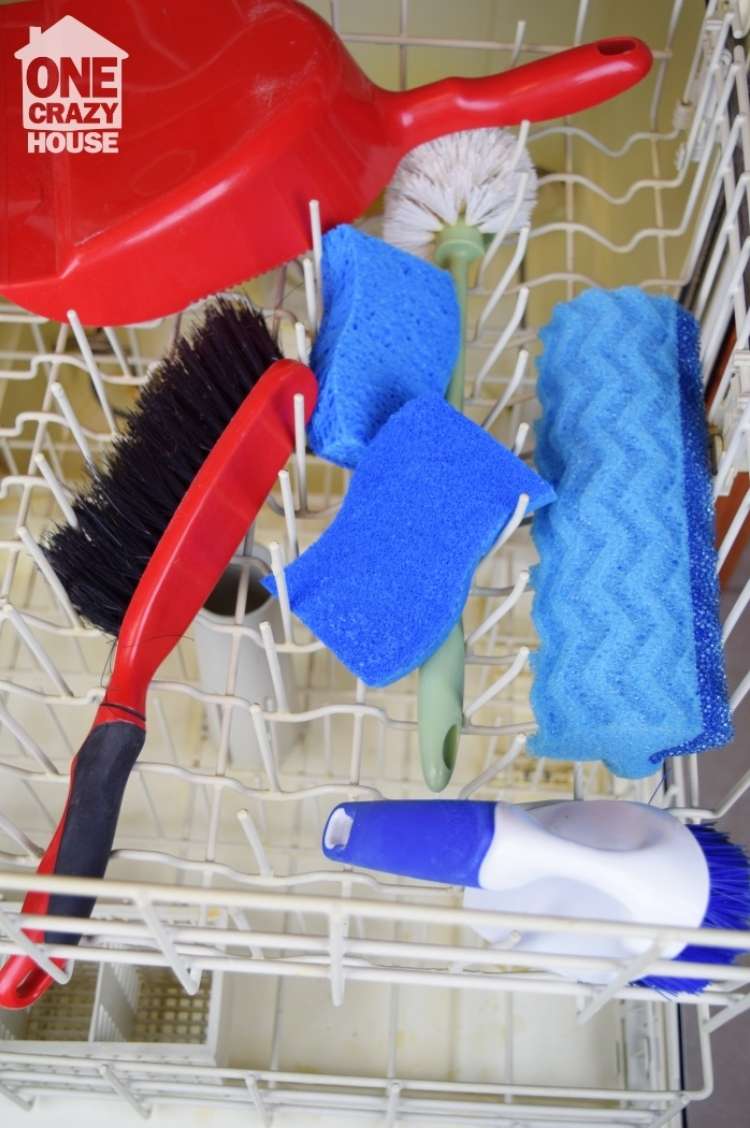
609,861
447,199
153,534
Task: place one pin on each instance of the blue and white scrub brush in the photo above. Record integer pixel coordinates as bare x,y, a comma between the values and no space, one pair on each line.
611,861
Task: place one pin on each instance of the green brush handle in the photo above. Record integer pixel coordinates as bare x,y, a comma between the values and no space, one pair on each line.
456,249
440,701
440,696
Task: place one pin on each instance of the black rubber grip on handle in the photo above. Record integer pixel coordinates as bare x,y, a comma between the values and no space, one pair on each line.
100,773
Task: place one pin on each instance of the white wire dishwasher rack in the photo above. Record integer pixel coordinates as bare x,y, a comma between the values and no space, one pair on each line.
226,962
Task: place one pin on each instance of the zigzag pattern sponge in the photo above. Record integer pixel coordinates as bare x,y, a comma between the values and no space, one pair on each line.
384,584
629,668
390,332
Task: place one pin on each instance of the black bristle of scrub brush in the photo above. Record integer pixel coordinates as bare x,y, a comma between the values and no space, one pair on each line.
189,400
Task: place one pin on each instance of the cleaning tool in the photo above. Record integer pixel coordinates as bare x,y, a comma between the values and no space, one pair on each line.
224,130
446,200
386,581
440,708
611,861
629,668
389,332
155,532
448,197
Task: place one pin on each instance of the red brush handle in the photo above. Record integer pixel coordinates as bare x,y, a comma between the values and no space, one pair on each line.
210,521
552,87
80,847
195,548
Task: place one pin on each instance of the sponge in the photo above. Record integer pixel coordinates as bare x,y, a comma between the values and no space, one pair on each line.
390,332
629,668
384,584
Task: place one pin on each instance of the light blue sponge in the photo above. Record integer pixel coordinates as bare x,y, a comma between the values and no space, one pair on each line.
384,584
390,332
629,668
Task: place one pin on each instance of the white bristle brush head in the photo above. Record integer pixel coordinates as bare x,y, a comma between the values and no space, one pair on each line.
474,175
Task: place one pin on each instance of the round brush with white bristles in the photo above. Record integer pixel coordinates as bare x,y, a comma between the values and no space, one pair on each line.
449,197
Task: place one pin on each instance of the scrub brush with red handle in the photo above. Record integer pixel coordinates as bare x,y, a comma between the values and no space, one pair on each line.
154,533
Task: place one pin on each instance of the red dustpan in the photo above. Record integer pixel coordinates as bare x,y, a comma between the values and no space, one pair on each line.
232,116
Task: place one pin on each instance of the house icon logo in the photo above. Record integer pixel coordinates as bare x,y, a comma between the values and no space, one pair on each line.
72,89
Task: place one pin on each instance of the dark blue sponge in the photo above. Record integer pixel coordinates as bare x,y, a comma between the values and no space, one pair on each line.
385,583
390,332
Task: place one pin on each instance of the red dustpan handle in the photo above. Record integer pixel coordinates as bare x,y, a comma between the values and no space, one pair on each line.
552,87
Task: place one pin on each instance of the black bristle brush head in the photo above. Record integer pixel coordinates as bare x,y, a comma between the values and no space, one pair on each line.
181,412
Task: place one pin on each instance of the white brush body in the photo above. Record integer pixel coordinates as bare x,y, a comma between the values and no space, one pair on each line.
597,859
474,175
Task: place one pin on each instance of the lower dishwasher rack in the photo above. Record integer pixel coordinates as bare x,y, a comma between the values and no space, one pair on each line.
225,964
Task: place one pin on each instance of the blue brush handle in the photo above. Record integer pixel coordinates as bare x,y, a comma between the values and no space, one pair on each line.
429,839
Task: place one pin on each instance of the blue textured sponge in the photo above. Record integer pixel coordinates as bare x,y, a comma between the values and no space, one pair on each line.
384,584
629,668
390,332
